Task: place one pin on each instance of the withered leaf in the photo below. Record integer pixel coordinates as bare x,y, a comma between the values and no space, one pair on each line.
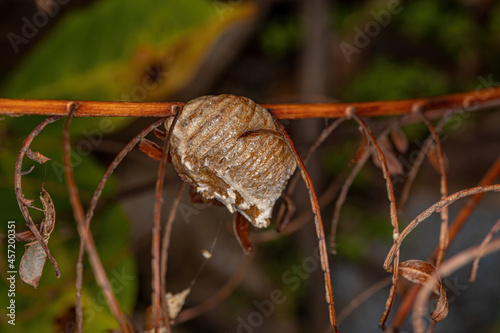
48,223
36,156
393,164
32,262
363,147
399,139
240,228
418,271
151,149
26,236
34,257
433,157
26,202
160,134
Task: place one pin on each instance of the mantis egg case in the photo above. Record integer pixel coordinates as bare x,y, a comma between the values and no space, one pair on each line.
229,148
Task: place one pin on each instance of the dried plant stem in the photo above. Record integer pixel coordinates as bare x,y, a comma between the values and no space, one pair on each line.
434,208
90,213
471,100
342,196
21,200
221,294
403,198
298,222
320,233
484,243
394,215
85,235
293,182
111,168
358,300
457,224
345,188
166,244
157,298
443,236
449,266
488,179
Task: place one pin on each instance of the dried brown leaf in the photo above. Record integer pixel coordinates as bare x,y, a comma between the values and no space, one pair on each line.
418,271
32,262
399,139
433,157
48,223
26,202
240,228
26,236
160,134
36,156
363,147
151,149
33,259
393,164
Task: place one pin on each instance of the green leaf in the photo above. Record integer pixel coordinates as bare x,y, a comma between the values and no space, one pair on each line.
123,50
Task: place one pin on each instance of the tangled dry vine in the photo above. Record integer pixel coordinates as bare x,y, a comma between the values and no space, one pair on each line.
421,273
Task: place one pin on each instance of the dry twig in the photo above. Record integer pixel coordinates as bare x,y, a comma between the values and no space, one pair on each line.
443,236
85,235
394,215
320,233
439,105
457,224
484,243
449,266
21,200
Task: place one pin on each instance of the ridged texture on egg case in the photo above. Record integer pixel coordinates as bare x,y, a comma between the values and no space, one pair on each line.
247,174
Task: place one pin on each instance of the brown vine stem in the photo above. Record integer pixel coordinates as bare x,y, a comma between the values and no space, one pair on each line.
449,266
22,201
165,245
318,223
484,243
471,100
350,112
86,236
157,298
457,224
281,219
443,237
438,206
90,212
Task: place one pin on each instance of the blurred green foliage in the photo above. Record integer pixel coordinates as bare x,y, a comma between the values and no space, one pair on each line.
281,37
122,50
388,80
100,52
110,227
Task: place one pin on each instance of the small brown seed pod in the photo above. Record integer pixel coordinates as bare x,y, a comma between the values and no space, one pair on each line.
229,148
